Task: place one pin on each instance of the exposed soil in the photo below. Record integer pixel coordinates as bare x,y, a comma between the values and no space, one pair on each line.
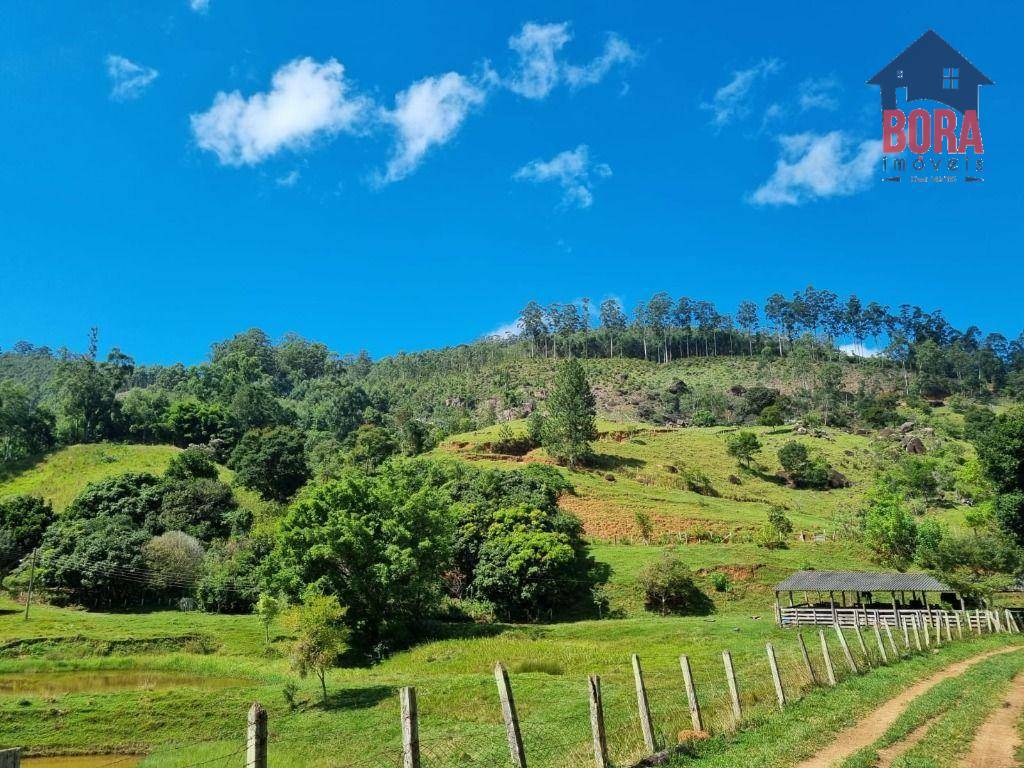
997,740
868,730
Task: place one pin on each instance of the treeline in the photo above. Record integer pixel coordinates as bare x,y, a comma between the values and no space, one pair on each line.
664,328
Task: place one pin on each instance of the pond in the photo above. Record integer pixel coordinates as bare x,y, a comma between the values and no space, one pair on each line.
82,761
108,681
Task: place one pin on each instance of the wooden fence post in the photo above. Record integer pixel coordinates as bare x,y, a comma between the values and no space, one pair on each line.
10,758
829,669
846,650
780,693
643,706
691,695
977,620
862,644
906,636
410,728
597,722
892,643
256,737
917,635
807,658
959,626
734,693
508,712
927,633
949,627
881,647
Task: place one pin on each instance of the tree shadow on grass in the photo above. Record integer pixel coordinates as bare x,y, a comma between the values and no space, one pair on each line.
357,698
607,461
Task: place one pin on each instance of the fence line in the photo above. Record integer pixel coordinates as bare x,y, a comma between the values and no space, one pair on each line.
623,720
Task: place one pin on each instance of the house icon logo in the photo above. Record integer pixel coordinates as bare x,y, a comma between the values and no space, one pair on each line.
941,140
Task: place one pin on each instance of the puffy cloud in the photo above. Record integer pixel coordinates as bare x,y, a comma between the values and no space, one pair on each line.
307,100
199,6
818,93
731,101
537,46
128,79
572,170
814,166
427,114
540,69
506,330
859,350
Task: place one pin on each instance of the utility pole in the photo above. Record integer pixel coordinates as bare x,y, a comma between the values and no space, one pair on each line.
31,583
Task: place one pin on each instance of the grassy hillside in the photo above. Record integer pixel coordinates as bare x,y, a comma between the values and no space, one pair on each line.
652,470
63,474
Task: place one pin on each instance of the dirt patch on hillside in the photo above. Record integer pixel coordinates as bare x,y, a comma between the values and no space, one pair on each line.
608,522
998,739
736,573
868,730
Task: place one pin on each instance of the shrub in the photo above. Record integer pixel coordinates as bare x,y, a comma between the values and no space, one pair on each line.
771,416
804,468
193,463
776,529
720,581
201,508
668,587
175,560
703,418
23,521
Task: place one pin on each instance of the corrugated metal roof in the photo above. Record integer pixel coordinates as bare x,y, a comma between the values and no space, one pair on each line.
860,581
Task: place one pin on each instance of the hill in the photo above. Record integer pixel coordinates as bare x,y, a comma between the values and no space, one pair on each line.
62,475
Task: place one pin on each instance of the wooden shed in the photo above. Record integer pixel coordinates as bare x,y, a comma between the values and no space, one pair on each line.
848,598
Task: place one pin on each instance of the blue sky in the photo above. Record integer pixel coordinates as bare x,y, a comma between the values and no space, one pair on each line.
389,176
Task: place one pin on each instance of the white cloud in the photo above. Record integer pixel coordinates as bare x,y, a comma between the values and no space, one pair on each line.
307,100
818,93
616,51
537,46
506,330
814,166
199,6
572,170
428,113
859,350
128,79
540,70
730,102
290,179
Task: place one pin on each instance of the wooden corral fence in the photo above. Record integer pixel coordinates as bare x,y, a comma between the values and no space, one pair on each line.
10,758
970,620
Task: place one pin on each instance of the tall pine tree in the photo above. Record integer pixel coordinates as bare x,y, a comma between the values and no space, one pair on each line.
570,426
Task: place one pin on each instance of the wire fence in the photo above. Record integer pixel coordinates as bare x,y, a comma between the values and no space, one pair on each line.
556,724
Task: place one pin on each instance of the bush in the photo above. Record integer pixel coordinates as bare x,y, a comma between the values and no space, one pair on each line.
668,587
720,581
804,468
23,521
776,529
201,508
193,463
703,418
175,560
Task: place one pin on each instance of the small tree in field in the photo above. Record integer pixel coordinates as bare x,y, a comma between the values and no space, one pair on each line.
321,635
267,608
570,426
743,446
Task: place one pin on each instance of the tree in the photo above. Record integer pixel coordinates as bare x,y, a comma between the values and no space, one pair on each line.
194,422
889,530
570,425
775,530
320,637
136,496
144,412
175,561
25,429
613,320
371,447
743,446
271,462
746,318
1000,445
771,416
804,468
379,542
23,521
202,508
667,586
267,608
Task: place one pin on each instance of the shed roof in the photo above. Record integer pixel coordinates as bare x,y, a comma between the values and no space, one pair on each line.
860,581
